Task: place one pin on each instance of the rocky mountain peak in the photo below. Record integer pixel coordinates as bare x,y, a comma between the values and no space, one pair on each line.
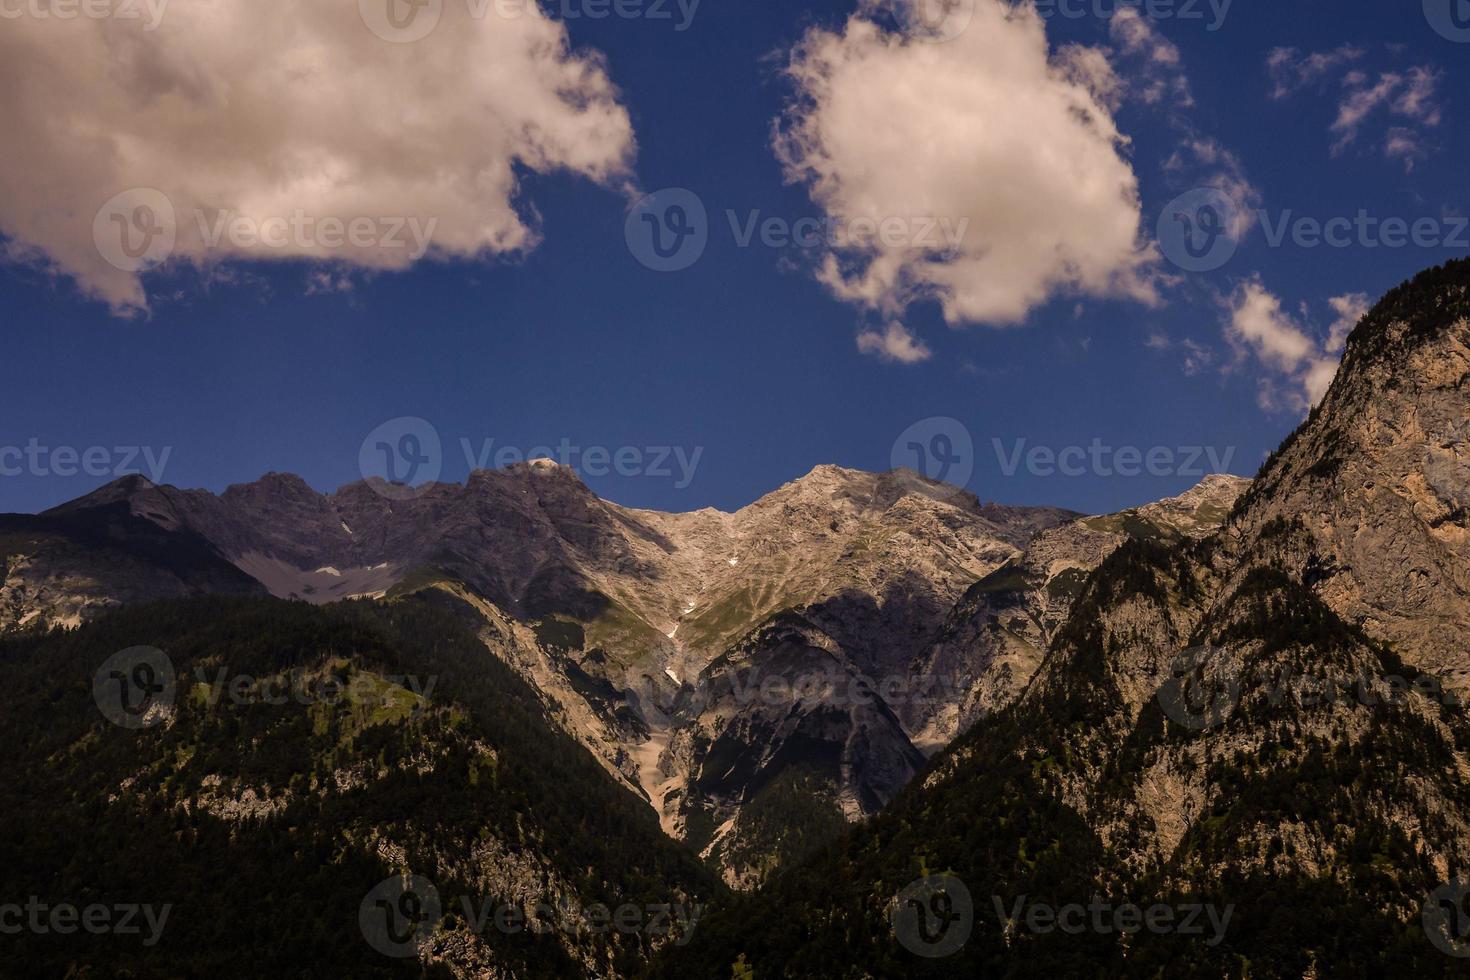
1371,492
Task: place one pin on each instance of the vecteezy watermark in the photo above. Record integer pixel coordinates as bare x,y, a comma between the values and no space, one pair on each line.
406,21
64,919
937,234
1364,230
402,913
303,687
668,230
1215,11
930,21
139,229
1107,918
938,448
933,917
1446,917
1099,459
137,688
136,230
1200,230
34,459
1204,689
303,232
837,688
1450,18
677,463
403,457
149,11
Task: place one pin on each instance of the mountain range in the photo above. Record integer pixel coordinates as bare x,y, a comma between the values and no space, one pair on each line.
1246,697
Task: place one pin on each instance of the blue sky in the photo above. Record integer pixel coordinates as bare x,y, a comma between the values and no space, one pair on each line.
745,356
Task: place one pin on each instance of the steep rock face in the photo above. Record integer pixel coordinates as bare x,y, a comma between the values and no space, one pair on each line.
1380,477
786,704
62,569
1260,719
997,634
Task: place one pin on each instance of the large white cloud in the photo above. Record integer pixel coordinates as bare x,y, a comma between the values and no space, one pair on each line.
260,111
986,131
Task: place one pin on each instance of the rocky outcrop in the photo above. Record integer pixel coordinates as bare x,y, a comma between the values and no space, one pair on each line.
996,636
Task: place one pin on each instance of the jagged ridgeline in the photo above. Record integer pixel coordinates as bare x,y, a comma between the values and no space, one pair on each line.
1261,732
303,757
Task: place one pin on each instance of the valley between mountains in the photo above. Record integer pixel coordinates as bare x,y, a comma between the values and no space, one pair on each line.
786,714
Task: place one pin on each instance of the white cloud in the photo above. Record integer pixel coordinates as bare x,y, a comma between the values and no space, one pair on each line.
264,111
984,129
1417,101
1290,70
1410,95
1213,165
1195,356
1282,346
1361,100
1090,68
1403,144
894,344
1158,66
1350,308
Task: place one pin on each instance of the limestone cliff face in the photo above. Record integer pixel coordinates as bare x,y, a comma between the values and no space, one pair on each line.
997,635
1380,477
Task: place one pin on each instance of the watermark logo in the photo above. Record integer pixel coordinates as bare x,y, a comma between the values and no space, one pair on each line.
136,230
149,11
936,235
933,21
34,459
1449,18
668,230
65,919
135,688
1109,918
1100,459
1151,10
401,21
399,915
676,463
939,448
1446,917
933,917
1193,701
401,458
1198,230
303,232
305,688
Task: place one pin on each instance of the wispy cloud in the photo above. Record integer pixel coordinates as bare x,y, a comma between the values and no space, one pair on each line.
895,344
1297,371
1290,70
1409,94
